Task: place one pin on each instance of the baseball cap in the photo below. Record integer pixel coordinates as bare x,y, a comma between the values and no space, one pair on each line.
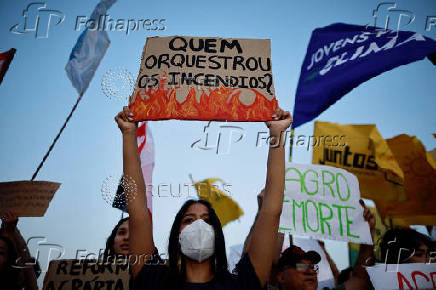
292,255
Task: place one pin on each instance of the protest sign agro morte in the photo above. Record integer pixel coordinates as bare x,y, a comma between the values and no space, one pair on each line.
86,274
26,198
204,78
323,202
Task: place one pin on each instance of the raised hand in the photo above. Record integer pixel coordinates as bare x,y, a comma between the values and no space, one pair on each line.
369,217
281,121
125,121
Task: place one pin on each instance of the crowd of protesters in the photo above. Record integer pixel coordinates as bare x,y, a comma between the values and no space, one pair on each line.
196,247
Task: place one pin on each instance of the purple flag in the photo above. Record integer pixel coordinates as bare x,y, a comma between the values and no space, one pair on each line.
341,56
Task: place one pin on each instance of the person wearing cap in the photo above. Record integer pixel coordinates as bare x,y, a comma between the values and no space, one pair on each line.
298,269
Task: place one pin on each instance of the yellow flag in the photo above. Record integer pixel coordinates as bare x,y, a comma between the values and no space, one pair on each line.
431,158
361,150
225,207
420,183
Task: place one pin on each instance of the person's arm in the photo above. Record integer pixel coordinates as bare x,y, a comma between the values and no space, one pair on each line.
278,247
259,205
264,235
9,229
365,258
140,227
332,264
275,262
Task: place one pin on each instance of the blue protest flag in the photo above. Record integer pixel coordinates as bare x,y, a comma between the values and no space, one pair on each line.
85,58
342,56
88,51
101,9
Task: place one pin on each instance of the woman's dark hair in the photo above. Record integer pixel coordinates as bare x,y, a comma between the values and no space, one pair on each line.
399,244
219,258
9,275
109,252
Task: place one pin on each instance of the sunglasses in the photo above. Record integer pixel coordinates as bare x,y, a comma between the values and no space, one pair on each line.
302,267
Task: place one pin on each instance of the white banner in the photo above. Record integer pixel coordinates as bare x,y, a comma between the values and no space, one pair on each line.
403,276
323,202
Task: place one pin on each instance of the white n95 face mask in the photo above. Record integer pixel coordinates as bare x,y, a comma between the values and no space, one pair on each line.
197,240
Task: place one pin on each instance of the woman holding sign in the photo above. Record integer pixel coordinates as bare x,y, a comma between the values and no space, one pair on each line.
197,258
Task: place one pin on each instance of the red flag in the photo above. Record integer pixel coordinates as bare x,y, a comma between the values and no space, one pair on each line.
146,154
5,59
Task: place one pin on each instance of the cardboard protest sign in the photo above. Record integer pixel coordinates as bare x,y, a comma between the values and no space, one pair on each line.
363,152
204,78
403,276
86,274
26,198
323,202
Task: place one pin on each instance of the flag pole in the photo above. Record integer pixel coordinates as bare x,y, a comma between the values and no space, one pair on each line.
291,242
193,183
291,146
56,138
190,177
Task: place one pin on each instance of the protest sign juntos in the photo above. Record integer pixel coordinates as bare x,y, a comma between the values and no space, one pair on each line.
323,202
204,78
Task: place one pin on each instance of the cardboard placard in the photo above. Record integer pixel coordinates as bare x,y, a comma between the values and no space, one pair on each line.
403,276
27,198
204,78
86,274
323,202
